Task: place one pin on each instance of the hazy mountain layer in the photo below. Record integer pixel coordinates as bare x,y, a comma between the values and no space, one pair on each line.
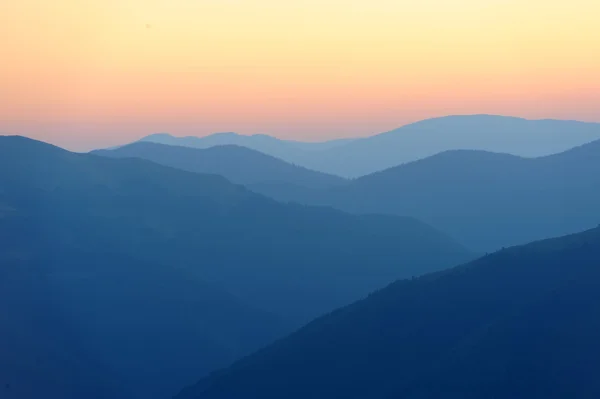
485,200
238,164
354,158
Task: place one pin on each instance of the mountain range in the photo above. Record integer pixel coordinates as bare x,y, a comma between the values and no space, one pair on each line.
520,323
136,271
484,200
358,157
132,277
237,164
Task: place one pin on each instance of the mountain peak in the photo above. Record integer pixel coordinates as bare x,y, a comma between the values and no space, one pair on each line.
157,136
11,142
221,134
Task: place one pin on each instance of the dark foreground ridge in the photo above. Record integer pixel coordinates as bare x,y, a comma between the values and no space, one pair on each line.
520,323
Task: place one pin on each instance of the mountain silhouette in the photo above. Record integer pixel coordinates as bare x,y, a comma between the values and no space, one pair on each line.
161,274
520,323
355,158
485,200
288,150
238,164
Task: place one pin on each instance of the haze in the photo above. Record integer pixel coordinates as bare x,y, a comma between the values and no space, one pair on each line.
94,73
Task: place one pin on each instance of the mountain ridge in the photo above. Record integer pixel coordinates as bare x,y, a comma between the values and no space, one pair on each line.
238,164
486,200
458,333
418,140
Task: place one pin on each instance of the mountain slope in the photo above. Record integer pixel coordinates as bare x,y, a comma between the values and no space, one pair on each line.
163,274
516,136
168,215
485,200
520,323
238,164
91,323
40,355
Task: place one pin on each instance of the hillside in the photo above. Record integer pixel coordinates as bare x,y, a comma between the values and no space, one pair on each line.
485,200
239,165
39,353
87,320
106,326
202,269
520,323
167,215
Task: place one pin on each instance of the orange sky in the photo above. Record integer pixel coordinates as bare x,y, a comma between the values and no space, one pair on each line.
85,73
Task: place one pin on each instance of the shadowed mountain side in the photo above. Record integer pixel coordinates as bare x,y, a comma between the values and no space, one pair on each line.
81,322
133,243
40,353
516,136
520,323
238,164
485,200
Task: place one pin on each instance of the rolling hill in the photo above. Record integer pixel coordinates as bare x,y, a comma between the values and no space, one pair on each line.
158,274
520,323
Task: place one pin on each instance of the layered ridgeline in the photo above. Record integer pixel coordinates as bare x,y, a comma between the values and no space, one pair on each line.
294,152
485,200
354,158
238,164
520,323
156,274
259,142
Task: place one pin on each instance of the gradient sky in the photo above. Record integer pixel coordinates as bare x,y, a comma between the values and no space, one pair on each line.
86,73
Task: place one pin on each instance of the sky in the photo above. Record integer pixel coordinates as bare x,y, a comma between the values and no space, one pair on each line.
92,73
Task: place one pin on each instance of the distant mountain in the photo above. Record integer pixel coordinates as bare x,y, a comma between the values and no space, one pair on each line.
287,150
521,323
260,142
485,200
238,164
516,136
158,274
